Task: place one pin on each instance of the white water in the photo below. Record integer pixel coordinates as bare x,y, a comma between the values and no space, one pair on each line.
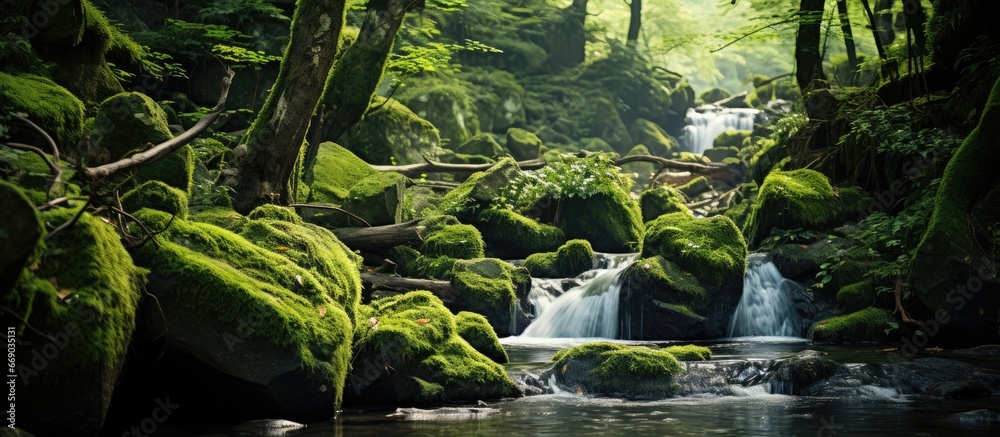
587,310
766,308
704,127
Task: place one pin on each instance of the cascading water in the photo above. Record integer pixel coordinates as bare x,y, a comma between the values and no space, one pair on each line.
704,127
766,308
586,310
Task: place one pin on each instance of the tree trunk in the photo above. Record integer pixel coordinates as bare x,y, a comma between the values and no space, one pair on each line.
274,141
808,61
378,238
876,21
845,25
382,281
634,23
883,22
357,75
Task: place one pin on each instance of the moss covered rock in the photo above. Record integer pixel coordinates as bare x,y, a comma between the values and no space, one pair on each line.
523,145
657,140
867,325
411,352
455,241
660,300
83,292
719,154
572,259
480,190
710,248
446,103
334,173
272,305
490,287
791,200
856,296
411,263
392,133
613,369
695,187
481,144
610,220
731,138
612,129
378,199
661,200
20,231
46,104
159,196
512,235
689,352
476,330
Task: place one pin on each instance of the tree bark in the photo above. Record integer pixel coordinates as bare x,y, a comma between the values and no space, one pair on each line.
845,26
358,73
378,238
382,281
635,22
808,61
274,141
876,21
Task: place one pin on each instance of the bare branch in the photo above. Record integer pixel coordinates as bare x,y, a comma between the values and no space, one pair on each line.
163,149
45,135
53,167
332,208
415,170
752,32
69,223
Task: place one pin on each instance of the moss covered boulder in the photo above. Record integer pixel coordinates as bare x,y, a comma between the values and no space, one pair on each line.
661,200
392,133
83,291
795,199
20,231
867,325
159,196
456,241
446,103
610,126
657,140
619,370
719,154
731,138
378,199
570,260
131,122
710,248
611,221
336,170
480,190
271,303
481,144
476,330
514,236
410,351
659,300
46,104
695,187
523,145
491,287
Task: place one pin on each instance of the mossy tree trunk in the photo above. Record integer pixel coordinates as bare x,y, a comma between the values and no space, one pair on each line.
358,74
808,59
845,25
274,141
635,22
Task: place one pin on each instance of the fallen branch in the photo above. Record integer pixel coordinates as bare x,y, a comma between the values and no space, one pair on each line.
385,237
718,172
53,167
382,281
72,221
45,135
332,208
415,170
898,291
163,149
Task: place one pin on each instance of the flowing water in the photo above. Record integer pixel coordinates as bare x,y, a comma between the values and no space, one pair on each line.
766,307
707,124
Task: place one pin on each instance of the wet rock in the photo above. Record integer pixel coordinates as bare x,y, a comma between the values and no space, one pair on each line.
976,417
794,375
446,413
266,428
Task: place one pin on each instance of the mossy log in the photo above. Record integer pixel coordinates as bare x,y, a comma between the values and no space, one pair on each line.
382,281
385,237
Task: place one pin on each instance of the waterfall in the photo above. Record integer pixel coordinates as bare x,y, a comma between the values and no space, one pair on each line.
589,309
704,127
766,308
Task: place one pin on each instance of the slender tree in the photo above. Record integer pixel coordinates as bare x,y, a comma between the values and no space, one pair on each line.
635,22
274,141
808,60
845,26
358,73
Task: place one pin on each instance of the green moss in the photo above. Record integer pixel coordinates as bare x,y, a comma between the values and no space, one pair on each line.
48,105
721,154
335,171
572,258
21,230
275,212
512,235
611,368
392,132
489,286
669,283
689,352
714,95
410,263
523,145
695,187
418,337
481,189
175,169
455,241
126,123
731,138
378,199
446,103
692,157
611,221
869,324
711,248
856,296
661,200
542,265
159,196
793,199
84,292
481,144
657,140
476,330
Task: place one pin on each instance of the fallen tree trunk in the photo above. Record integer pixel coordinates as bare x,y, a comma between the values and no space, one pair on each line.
732,174
382,281
385,237
415,170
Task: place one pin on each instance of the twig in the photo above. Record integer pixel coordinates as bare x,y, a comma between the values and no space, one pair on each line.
52,203
45,135
160,150
69,222
752,32
53,168
18,316
137,221
899,303
330,207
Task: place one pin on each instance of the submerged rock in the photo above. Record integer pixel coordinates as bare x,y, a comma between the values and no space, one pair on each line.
570,260
613,369
266,428
444,413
